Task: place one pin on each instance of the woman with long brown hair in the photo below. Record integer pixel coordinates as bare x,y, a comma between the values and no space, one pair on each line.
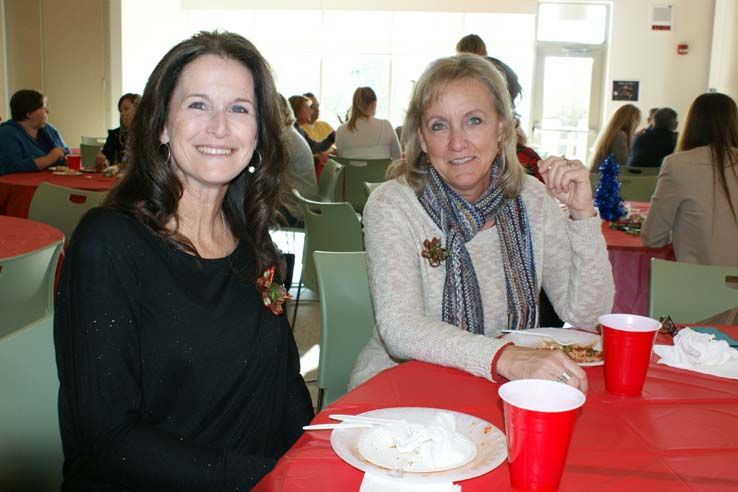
175,372
695,205
617,136
363,136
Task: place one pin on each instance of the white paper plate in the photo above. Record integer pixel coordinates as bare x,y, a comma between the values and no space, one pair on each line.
565,335
488,441
67,173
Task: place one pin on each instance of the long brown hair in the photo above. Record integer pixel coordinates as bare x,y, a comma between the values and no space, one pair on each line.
151,191
428,89
363,98
712,120
625,119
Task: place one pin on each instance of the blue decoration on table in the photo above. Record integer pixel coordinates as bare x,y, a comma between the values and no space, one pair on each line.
607,195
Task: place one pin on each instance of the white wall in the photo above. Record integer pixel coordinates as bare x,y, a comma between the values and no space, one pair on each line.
724,66
638,53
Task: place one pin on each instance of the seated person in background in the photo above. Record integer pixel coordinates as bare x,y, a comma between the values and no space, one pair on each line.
649,121
114,149
300,167
174,375
695,204
315,128
27,141
500,237
363,136
617,136
655,142
301,109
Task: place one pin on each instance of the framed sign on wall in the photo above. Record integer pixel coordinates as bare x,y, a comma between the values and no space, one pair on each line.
624,90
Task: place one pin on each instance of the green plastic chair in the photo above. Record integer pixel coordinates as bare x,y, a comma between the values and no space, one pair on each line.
27,287
358,171
31,455
637,188
89,152
94,141
346,317
690,293
369,187
57,206
639,171
328,227
330,177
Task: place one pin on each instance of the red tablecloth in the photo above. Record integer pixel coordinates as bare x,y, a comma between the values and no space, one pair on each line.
16,190
631,266
19,236
680,435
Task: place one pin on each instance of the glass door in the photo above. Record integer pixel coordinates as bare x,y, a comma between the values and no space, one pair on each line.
569,76
567,100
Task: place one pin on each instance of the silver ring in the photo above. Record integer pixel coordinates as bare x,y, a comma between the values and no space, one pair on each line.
565,377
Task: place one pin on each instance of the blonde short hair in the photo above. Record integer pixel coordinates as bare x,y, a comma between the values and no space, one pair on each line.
429,88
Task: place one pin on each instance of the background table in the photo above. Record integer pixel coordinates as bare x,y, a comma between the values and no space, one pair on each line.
631,266
16,190
680,435
19,236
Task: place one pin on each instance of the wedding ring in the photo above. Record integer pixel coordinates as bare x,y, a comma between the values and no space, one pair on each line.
565,377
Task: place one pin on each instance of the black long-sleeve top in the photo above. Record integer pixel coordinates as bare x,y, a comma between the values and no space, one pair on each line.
115,145
173,374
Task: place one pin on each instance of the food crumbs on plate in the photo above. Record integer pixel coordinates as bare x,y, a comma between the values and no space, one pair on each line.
487,429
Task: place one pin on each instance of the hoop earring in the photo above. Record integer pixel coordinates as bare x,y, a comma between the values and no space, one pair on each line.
252,168
168,159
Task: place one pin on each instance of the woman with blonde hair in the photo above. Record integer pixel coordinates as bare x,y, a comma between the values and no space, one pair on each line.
363,136
617,136
695,204
461,241
300,167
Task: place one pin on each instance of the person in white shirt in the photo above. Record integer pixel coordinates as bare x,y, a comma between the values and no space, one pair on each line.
363,136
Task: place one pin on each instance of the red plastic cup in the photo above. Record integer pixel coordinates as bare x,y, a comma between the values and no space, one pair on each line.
74,161
539,419
627,341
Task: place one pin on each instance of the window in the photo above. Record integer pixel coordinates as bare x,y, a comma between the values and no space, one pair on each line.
332,52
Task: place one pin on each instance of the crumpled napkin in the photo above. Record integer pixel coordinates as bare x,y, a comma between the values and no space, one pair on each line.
700,352
432,444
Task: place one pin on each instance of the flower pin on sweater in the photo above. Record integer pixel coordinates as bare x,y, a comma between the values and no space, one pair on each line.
272,295
433,252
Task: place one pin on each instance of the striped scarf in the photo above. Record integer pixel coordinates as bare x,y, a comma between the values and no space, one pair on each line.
460,221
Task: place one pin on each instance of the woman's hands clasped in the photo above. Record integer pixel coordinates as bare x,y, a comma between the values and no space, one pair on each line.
569,183
526,363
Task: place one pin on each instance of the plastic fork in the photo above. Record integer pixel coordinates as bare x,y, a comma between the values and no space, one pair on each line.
361,419
544,335
341,425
